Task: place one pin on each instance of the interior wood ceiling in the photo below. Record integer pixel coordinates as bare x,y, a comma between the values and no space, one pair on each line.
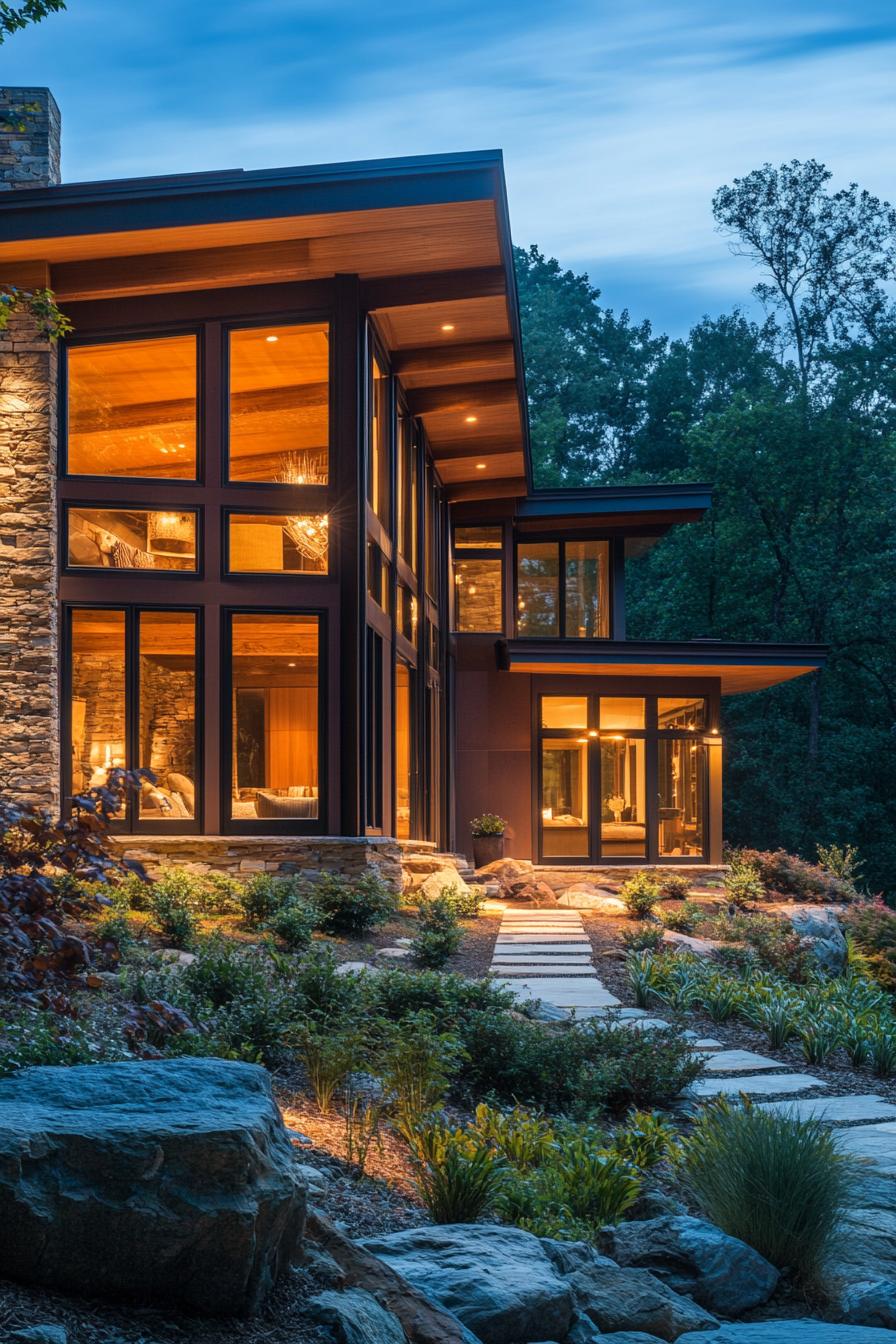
102,633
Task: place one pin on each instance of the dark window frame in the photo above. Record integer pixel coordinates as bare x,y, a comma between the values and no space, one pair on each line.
132,824
144,575
478,553
536,539
268,825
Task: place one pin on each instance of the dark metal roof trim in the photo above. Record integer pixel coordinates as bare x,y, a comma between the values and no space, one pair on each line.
614,499
694,652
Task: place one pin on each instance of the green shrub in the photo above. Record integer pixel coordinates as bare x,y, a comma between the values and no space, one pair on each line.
777,1183
643,938
721,997
743,884
841,861
220,894
790,875
521,1137
640,894
457,1179
321,992
130,892
594,1185
416,1065
440,934
328,1055
44,1037
645,1140
465,904
517,1061
641,1069
871,926
641,971
294,923
115,928
171,902
353,907
454,1001
767,941
674,886
261,897
683,918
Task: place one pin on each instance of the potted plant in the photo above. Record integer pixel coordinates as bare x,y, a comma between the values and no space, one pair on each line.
488,838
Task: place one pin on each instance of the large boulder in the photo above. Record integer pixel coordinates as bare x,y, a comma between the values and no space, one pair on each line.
820,931
618,1299
506,872
870,1302
586,896
498,1280
790,1332
168,1180
445,879
723,1274
357,1318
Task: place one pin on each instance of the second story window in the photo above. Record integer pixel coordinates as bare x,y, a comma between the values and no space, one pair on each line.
132,408
478,580
279,405
562,589
378,462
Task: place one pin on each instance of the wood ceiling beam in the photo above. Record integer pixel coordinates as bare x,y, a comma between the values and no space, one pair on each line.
462,396
165,272
136,415
406,291
437,359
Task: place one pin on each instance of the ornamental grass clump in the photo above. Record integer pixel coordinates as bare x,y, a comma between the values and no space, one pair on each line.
640,894
777,1183
458,1178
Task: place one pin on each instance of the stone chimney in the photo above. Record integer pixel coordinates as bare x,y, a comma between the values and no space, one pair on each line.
29,635
29,139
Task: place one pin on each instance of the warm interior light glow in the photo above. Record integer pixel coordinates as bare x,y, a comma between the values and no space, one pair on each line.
271,340
447,326
471,419
592,732
480,466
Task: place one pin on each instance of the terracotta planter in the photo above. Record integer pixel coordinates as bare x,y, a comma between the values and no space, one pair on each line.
487,848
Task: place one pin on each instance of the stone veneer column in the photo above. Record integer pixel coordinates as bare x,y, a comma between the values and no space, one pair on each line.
29,649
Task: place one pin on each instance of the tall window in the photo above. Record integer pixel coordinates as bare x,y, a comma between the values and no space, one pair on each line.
407,522
274,674
378,457
623,782
405,750
562,588
132,408
155,729
279,404
478,579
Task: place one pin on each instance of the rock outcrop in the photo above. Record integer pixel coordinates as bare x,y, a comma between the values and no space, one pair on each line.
170,1181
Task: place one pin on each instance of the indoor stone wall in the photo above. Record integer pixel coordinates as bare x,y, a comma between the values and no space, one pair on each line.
29,717
168,726
243,855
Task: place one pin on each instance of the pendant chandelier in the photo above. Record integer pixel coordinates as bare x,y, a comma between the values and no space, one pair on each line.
310,534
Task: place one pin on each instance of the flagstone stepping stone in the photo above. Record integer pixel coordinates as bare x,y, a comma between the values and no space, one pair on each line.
542,950
733,1061
768,1085
877,1142
575,992
532,972
543,964
533,935
835,1110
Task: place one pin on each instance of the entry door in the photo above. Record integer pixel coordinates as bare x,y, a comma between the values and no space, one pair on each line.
620,779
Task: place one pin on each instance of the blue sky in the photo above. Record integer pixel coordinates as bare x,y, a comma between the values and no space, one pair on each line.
617,121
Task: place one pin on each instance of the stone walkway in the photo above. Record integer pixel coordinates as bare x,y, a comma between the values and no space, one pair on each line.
546,954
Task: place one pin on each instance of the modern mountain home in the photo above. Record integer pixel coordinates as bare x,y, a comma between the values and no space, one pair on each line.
268,529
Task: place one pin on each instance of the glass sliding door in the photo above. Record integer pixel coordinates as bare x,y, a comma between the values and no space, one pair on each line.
622,778
98,703
404,751
167,713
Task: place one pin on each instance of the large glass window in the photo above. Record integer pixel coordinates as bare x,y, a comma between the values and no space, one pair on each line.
562,588
682,793
681,712
275,543
378,460
280,404
478,580
404,750
623,824
98,707
157,539
586,590
564,798
274,663
407,522
132,408
538,589
167,713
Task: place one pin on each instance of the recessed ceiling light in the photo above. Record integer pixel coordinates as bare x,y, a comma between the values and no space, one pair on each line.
447,326
480,466
471,419
271,339
290,664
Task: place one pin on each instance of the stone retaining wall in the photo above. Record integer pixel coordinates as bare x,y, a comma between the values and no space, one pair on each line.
243,855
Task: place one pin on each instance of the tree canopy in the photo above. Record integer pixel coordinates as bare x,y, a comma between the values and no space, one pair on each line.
13,18
792,419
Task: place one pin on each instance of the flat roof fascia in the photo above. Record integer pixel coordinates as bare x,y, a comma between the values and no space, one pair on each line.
606,501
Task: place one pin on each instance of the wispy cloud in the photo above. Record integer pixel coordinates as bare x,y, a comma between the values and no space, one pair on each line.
618,121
